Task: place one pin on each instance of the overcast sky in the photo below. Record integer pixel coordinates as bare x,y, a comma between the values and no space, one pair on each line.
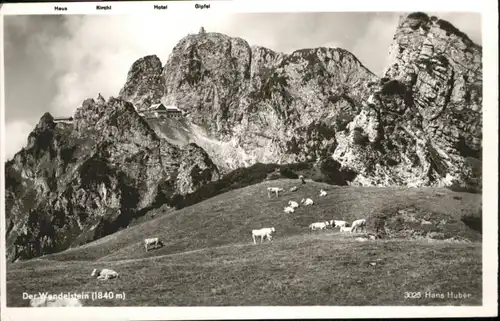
53,63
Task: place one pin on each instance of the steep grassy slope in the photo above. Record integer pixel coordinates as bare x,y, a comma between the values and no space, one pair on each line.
209,258
229,217
324,268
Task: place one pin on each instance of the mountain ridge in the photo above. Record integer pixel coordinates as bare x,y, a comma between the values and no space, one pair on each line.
419,125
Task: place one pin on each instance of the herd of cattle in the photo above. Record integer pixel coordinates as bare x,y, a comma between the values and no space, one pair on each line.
266,233
263,233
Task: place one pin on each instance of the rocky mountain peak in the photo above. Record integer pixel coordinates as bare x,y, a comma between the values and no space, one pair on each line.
42,132
93,177
45,120
430,98
144,85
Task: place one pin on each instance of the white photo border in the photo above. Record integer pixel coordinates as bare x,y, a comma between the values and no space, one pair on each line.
487,8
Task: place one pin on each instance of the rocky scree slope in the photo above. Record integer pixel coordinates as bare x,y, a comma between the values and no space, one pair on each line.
419,125
74,183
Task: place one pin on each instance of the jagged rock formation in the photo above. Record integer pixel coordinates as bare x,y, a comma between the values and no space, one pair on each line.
265,106
249,105
144,85
422,126
77,182
419,125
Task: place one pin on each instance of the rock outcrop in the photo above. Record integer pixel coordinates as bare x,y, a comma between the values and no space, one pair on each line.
74,183
144,85
264,106
422,125
419,125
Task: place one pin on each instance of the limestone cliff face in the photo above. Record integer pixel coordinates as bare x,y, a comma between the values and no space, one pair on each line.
144,85
74,183
423,125
419,125
264,106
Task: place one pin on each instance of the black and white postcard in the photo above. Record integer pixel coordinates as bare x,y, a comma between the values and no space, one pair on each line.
192,160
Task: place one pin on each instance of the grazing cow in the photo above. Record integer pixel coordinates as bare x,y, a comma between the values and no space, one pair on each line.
52,301
153,242
345,229
289,209
318,225
275,190
359,224
293,189
307,201
337,223
301,177
322,193
104,274
293,204
263,232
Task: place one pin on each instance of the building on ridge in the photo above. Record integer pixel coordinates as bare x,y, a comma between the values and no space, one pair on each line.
161,111
63,119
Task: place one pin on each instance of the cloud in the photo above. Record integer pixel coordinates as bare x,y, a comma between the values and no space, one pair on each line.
53,63
374,44
16,134
100,50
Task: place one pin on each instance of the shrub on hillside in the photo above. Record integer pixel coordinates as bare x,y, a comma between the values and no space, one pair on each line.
418,19
288,173
393,87
418,16
451,29
473,221
342,119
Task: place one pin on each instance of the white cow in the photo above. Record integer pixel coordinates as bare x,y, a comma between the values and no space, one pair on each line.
358,224
293,204
289,209
337,223
345,229
153,242
263,232
322,193
104,274
307,201
275,190
52,301
293,189
318,225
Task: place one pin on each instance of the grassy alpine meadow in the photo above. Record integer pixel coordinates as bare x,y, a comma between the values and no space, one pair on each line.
430,253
